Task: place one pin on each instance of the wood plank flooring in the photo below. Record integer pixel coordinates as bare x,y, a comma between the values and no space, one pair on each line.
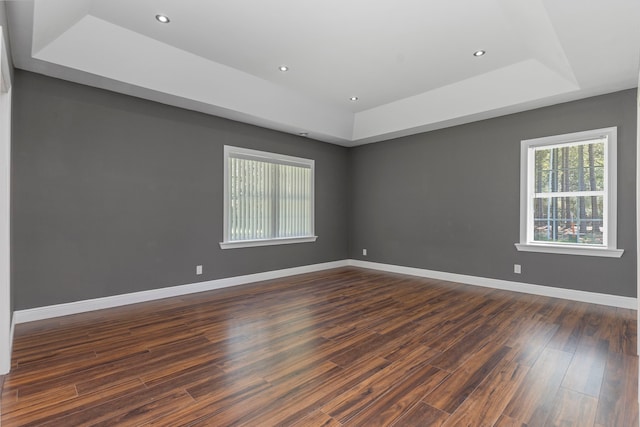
347,347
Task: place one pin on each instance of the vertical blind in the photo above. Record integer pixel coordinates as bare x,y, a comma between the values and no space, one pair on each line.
268,197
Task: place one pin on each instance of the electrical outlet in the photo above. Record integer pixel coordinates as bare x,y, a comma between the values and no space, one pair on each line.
517,268
198,269
364,252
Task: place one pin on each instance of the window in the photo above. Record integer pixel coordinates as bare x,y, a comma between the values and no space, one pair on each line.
268,199
568,194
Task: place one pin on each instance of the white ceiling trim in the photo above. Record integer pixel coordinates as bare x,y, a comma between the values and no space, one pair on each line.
517,84
95,46
64,39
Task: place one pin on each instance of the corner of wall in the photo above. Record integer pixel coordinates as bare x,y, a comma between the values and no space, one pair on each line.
638,209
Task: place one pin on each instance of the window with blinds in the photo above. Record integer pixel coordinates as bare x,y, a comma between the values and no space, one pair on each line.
268,198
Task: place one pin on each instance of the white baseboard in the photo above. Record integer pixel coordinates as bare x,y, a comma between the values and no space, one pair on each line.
47,312
5,357
11,332
570,294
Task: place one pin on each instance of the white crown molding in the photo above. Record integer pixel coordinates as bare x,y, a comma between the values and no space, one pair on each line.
570,294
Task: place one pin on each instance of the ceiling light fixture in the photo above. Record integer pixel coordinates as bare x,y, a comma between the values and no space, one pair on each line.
163,19
303,133
479,53
283,68
353,98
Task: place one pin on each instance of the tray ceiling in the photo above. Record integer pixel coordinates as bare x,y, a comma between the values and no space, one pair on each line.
410,63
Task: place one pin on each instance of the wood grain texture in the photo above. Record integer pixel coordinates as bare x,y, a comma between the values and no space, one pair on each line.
349,346
535,397
486,403
422,415
572,408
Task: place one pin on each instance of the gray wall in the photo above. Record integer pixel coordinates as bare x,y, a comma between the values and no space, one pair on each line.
448,200
114,194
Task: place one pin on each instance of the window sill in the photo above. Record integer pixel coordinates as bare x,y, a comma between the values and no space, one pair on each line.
266,242
570,250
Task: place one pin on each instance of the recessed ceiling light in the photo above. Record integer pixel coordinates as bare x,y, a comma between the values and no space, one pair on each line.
353,98
283,68
479,53
163,18
303,133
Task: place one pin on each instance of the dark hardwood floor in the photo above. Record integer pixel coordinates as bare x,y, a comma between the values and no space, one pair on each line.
341,347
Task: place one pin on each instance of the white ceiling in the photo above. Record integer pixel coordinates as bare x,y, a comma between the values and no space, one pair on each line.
409,62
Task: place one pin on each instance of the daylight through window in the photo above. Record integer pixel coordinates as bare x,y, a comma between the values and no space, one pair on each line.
268,198
568,194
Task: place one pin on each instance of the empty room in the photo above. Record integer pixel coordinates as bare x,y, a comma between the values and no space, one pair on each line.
303,213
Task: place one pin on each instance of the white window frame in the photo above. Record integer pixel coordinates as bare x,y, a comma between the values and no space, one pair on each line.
273,158
527,191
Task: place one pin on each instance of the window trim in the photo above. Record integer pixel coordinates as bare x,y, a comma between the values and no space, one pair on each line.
274,158
527,146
